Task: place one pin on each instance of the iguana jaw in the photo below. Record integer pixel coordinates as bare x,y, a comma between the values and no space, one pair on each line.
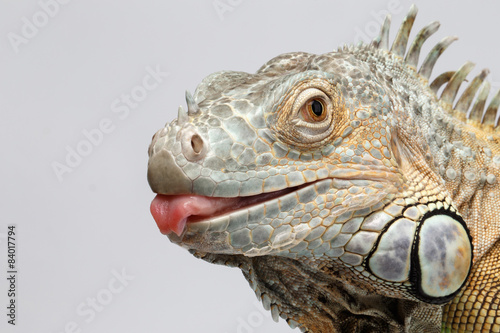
212,224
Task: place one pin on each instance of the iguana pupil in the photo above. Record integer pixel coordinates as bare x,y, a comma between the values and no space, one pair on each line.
317,108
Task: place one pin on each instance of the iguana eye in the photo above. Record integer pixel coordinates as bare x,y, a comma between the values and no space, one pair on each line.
311,113
314,110
312,106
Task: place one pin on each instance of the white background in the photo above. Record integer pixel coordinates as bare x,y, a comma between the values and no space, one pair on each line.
74,233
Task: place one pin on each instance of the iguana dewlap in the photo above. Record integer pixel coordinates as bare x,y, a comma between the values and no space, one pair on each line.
351,192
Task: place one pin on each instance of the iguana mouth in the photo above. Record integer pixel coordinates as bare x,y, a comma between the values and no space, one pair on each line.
173,212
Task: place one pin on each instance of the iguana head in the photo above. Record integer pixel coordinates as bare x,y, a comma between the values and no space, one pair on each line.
313,161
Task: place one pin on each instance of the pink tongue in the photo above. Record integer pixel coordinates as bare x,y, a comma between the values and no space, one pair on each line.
171,212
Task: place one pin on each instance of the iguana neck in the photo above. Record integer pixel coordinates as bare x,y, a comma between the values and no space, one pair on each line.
464,154
461,151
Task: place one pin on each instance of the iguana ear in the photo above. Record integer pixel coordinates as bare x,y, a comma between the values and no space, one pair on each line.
429,245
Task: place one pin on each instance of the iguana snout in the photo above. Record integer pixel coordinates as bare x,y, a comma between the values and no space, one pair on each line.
165,174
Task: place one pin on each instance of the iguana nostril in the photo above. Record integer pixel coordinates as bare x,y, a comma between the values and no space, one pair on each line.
196,143
194,146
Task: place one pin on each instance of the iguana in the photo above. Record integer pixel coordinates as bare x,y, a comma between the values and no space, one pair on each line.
354,194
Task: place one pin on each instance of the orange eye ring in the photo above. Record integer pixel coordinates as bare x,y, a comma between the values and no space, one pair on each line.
314,110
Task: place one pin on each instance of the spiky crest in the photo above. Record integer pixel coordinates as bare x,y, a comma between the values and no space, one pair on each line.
452,80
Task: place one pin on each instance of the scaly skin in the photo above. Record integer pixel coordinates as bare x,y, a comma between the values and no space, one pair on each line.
388,219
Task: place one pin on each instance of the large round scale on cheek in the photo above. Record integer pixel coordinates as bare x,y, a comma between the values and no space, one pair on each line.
391,259
443,257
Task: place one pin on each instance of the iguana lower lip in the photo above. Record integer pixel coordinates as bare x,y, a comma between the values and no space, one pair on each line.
173,212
